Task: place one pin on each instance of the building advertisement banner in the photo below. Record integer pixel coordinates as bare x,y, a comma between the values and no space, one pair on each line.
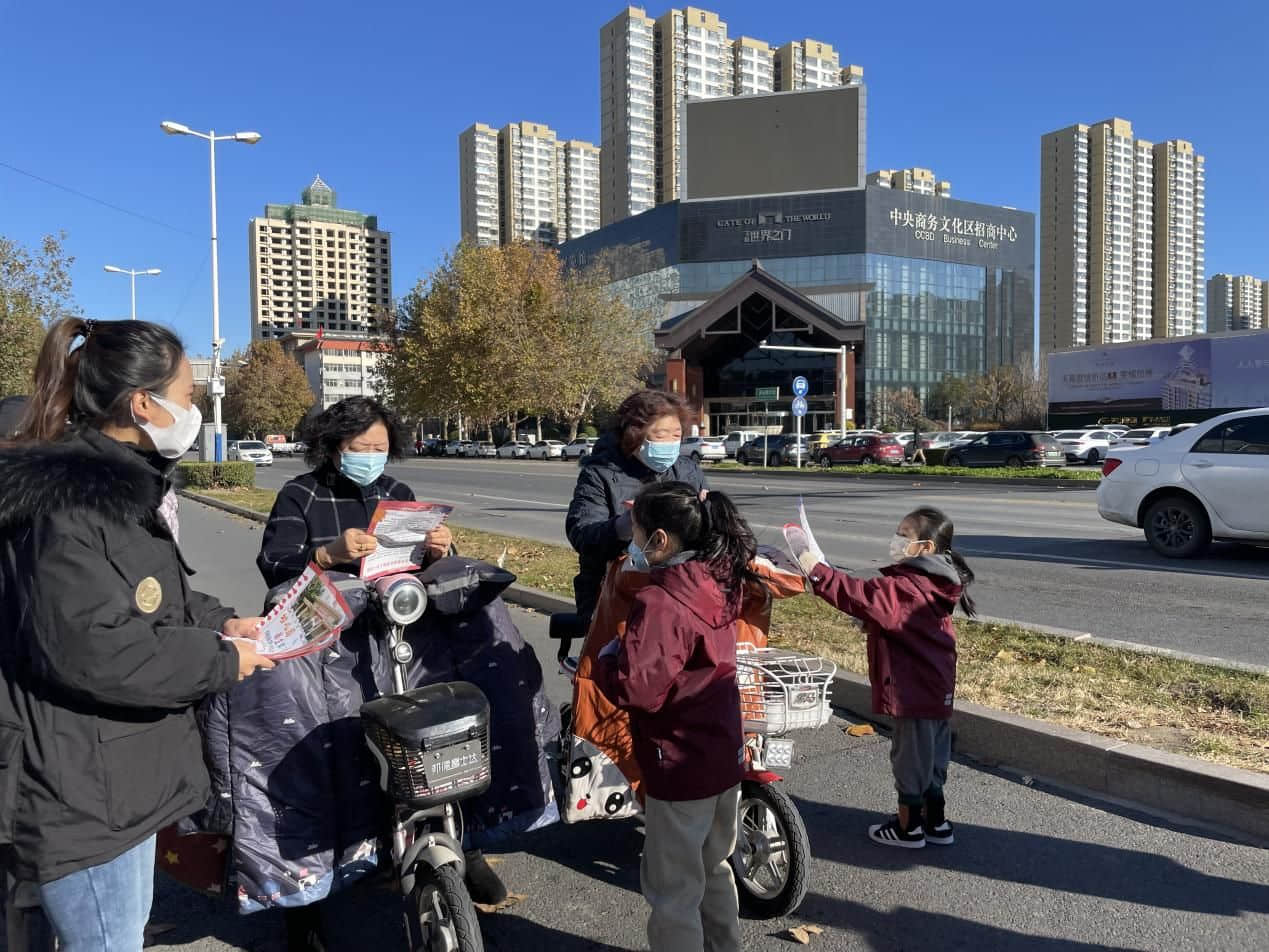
1196,373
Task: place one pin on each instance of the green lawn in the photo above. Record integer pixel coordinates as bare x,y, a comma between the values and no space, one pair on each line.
1217,714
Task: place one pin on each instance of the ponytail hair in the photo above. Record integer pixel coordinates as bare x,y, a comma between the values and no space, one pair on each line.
933,525
93,382
712,527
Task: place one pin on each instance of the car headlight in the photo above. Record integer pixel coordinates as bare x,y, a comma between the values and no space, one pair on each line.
403,598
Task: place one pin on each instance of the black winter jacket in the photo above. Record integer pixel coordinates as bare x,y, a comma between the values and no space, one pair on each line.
608,478
103,648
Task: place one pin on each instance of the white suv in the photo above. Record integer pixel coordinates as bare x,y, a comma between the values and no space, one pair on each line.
251,451
1205,483
704,448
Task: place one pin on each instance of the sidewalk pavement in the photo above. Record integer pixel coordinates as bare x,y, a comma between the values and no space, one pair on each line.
1032,869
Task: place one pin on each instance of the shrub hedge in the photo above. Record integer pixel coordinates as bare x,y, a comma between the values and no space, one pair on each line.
197,475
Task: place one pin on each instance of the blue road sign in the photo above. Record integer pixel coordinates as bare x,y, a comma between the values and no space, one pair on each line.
799,405
800,387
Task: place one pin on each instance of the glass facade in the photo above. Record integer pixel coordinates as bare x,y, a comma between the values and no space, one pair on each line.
924,319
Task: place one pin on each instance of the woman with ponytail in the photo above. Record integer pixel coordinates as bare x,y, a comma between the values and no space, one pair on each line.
907,616
104,647
674,671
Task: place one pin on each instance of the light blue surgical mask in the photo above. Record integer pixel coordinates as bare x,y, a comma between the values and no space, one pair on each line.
659,457
638,558
362,468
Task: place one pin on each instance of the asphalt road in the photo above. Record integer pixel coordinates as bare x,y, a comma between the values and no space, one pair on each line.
1042,556
1031,870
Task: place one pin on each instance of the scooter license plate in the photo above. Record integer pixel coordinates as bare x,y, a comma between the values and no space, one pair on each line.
779,753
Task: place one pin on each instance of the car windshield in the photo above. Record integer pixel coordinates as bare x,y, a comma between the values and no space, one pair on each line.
250,445
1071,435
1138,435
888,441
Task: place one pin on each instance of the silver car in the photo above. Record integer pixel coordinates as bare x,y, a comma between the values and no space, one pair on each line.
547,449
482,449
251,451
582,446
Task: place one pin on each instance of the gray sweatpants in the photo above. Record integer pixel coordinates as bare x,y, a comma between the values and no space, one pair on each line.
686,874
919,752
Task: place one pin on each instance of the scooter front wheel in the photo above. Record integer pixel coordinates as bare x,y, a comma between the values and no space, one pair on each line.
445,918
773,855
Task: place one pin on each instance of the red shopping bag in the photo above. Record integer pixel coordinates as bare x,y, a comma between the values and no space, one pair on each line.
198,860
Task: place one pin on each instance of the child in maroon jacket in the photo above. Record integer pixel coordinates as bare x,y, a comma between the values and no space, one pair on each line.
675,672
907,615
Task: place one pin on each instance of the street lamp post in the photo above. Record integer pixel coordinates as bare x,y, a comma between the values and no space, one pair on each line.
841,377
133,275
217,383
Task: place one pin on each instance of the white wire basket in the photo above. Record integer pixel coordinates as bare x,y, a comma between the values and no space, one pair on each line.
782,691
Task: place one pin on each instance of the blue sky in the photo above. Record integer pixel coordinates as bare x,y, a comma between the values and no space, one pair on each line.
373,95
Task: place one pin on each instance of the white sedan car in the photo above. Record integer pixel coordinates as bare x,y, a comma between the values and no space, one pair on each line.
547,449
1205,483
251,451
1088,446
514,450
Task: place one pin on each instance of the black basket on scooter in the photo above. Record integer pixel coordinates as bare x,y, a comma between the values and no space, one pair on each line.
432,743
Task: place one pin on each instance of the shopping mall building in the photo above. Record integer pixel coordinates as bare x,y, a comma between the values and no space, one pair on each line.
915,287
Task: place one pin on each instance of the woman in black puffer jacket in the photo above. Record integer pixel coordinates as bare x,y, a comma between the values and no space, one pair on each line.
643,447
104,647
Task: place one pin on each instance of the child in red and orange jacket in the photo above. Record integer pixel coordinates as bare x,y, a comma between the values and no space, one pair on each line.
907,616
674,671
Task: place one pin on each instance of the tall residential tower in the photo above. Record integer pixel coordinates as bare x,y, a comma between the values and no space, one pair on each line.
1121,237
807,64
478,187
627,107
315,266
1237,302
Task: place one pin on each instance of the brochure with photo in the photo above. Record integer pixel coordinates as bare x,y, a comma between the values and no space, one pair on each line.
308,618
401,529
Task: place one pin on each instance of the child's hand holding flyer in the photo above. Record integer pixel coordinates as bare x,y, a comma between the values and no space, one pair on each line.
802,544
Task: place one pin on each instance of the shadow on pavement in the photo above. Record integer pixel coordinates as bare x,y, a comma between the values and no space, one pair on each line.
509,933
906,928
607,851
1045,862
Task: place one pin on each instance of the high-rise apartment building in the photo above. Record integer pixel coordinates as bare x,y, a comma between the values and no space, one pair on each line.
807,64
315,266
1120,237
478,184
531,183
1237,302
694,59
579,166
753,66
1180,302
524,183
627,106
914,179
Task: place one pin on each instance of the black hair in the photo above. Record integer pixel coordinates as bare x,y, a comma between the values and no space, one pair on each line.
325,432
94,382
713,528
933,525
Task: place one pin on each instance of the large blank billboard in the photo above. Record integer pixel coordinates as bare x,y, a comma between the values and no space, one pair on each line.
774,144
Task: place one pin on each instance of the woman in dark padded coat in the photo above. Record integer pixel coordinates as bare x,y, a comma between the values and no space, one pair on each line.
104,646
643,447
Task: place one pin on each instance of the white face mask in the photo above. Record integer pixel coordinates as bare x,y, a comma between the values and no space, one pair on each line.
173,440
899,547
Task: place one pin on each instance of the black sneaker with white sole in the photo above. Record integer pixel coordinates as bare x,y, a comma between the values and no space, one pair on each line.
940,835
893,834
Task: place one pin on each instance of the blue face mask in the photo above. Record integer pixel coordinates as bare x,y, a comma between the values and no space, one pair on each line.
638,558
362,468
659,457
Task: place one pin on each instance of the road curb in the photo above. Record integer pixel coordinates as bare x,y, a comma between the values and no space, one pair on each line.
224,506
925,477
1159,781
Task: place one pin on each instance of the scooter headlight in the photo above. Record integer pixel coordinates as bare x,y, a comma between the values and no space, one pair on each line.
403,598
